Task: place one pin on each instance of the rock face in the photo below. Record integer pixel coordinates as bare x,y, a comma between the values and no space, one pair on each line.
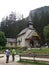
38,11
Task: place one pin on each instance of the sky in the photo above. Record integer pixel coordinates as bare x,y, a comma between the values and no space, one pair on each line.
20,6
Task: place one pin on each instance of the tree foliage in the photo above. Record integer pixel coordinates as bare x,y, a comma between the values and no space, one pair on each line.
2,39
40,21
46,33
11,26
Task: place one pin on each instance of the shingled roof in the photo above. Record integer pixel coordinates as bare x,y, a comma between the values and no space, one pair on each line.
11,40
32,33
23,31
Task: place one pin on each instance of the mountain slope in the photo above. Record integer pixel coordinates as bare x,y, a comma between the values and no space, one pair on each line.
38,11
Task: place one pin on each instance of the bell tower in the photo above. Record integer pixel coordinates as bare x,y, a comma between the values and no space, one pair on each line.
30,25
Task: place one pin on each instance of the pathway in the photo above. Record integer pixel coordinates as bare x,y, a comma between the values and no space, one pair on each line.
3,60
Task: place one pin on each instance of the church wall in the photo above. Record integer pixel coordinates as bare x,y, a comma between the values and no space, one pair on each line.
22,40
10,44
27,43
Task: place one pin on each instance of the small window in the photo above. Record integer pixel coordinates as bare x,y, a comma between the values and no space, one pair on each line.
19,42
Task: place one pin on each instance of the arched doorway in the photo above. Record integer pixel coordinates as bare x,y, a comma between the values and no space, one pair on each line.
31,43
34,42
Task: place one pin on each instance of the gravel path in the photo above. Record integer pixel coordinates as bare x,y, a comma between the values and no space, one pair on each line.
3,60
11,63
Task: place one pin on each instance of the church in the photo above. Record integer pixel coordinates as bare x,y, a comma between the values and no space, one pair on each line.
28,37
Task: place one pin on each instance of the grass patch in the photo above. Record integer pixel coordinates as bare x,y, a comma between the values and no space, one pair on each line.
17,49
42,50
35,50
33,62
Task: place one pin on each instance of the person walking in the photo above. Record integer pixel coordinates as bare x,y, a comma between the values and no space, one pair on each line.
13,54
7,55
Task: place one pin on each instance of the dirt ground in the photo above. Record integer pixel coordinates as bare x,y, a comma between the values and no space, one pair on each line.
12,63
3,60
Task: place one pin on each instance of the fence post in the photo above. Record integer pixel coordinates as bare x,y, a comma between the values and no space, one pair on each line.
34,57
20,57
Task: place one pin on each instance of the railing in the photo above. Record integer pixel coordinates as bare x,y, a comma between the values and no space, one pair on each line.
35,56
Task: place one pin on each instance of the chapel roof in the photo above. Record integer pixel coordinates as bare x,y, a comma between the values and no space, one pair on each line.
32,34
23,31
11,40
